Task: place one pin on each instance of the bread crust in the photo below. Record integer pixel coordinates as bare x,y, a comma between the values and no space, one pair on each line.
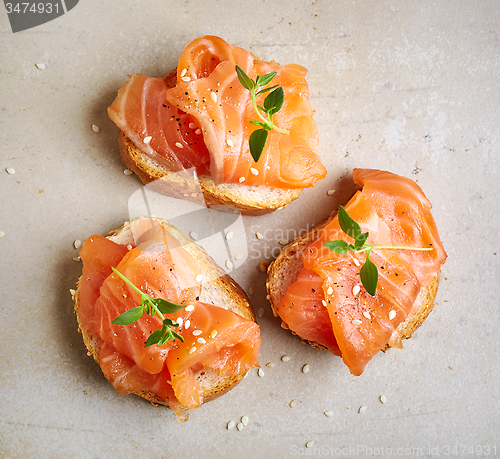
283,271
221,290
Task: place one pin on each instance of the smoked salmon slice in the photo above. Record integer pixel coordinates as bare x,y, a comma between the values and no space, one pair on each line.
395,212
215,338
204,119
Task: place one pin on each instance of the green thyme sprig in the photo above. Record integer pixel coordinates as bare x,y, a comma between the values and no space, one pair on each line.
151,306
368,272
272,104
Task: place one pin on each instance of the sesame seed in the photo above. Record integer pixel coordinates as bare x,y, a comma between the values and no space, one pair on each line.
309,444
185,194
40,66
95,128
263,265
147,139
197,332
356,289
192,350
229,265
329,291
270,365
229,235
261,312
184,71
392,314
286,358
323,302
356,261
230,425
260,372
240,426
244,420
127,172
254,171
230,143
367,314
201,340
362,409
241,179
238,256
328,414
2,234
213,334
383,399
199,278
283,242
129,247
193,235
179,321
10,170
251,291
192,126
185,78
356,322
178,145
259,236
193,195
293,403
189,308
187,324
77,259
330,192
213,96
198,131
77,244
305,368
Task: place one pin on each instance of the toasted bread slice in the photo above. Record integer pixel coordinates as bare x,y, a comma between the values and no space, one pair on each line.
283,271
249,200
222,291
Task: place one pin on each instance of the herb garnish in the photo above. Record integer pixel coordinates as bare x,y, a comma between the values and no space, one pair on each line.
272,104
151,306
368,272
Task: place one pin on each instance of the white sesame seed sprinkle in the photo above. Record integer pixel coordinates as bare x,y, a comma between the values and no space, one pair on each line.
77,244
240,426
197,332
189,307
330,192
193,195
95,128
229,264
197,132
10,170
356,322
213,334
260,372
254,171
193,235
259,235
147,139
199,278
2,234
127,172
230,143
367,314
293,403
238,256
283,242
179,321
270,365
244,420
201,340
261,312
213,96
328,414
178,145
356,261
323,302
286,358
129,247
185,78
192,350
383,399
184,71
187,324
230,425
241,179
392,314
356,289
305,368
77,259
329,291
192,126
310,444
362,409
229,235
40,66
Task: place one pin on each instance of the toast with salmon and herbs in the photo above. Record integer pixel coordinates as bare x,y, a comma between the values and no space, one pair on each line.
239,128
198,344
365,278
